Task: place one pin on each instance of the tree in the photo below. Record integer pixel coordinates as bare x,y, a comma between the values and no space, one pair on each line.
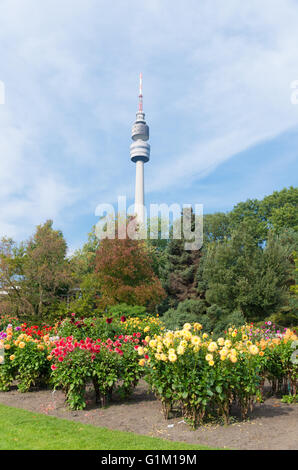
46,271
275,212
179,270
83,259
216,227
124,269
36,275
242,274
12,298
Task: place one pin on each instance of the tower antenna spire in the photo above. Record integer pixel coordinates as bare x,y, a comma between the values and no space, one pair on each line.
141,94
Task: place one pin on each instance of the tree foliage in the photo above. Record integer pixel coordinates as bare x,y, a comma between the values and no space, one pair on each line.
243,275
36,275
124,269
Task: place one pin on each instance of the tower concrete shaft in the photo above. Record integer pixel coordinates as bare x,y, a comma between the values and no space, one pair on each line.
140,154
139,193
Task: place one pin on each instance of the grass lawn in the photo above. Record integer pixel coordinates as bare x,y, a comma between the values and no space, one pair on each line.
24,430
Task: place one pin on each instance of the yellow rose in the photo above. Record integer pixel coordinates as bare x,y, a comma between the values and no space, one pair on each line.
142,362
12,357
7,346
21,345
211,363
209,357
140,351
146,329
221,341
205,335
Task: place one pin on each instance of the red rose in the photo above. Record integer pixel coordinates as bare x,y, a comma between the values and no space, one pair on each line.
109,320
123,318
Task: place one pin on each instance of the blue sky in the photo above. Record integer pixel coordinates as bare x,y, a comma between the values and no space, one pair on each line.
217,88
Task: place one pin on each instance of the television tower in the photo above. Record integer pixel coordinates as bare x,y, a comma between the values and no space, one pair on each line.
140,154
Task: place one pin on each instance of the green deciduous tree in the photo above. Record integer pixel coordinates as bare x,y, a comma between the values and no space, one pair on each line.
243,275
36,275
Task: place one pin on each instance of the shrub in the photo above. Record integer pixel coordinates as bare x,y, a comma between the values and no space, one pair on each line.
187,311
117,311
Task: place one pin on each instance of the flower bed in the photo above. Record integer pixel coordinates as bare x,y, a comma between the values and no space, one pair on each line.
187,369
107,327
190,371
33,358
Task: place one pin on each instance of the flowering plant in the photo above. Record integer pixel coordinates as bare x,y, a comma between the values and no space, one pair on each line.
189,370
25,359
75,363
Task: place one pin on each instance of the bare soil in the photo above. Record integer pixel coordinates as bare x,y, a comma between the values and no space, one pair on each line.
272,425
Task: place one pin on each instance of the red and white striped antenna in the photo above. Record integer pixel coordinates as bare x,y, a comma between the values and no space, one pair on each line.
141,94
